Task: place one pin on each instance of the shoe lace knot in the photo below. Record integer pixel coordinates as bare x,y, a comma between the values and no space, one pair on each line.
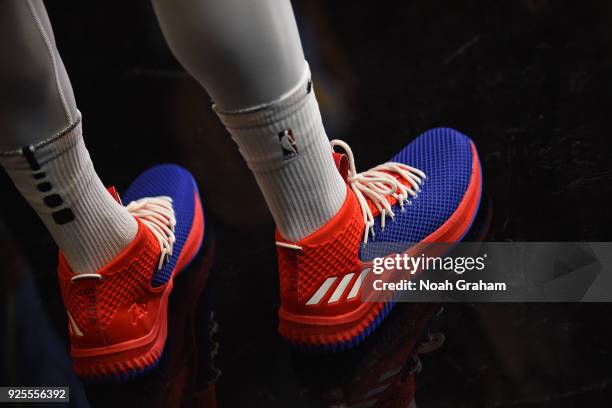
157,214
376,185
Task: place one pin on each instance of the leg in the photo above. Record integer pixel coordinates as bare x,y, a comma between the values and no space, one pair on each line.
37,98
244,54
248,57
41,146
116,272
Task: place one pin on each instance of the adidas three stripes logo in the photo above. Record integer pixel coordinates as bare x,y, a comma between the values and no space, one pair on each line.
340,289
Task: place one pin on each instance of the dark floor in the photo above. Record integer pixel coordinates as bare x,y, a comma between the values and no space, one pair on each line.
528,80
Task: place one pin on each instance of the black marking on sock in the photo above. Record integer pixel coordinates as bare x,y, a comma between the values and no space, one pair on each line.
288,144
63,216
309,86
53,200
44,187
28,153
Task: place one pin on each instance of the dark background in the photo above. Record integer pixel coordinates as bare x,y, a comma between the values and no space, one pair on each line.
527,80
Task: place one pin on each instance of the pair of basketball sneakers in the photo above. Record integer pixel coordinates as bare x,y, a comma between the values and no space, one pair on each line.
117,317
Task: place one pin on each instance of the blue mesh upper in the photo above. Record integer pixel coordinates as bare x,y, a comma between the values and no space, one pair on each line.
445,156
176,182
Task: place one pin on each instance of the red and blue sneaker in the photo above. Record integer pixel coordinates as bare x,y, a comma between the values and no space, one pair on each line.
118,317
429,192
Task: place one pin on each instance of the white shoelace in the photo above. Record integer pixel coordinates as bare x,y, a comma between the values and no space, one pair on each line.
377,184
157,214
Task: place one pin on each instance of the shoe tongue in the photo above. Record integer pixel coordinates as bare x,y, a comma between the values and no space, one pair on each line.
114,193
342,164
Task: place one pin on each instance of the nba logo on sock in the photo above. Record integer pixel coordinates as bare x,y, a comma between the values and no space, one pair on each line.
287,142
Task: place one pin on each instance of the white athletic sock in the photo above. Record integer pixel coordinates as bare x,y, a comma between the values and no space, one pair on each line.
58,180
285,146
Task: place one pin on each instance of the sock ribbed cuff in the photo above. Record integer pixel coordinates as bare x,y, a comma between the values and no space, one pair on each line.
286,147
57,178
